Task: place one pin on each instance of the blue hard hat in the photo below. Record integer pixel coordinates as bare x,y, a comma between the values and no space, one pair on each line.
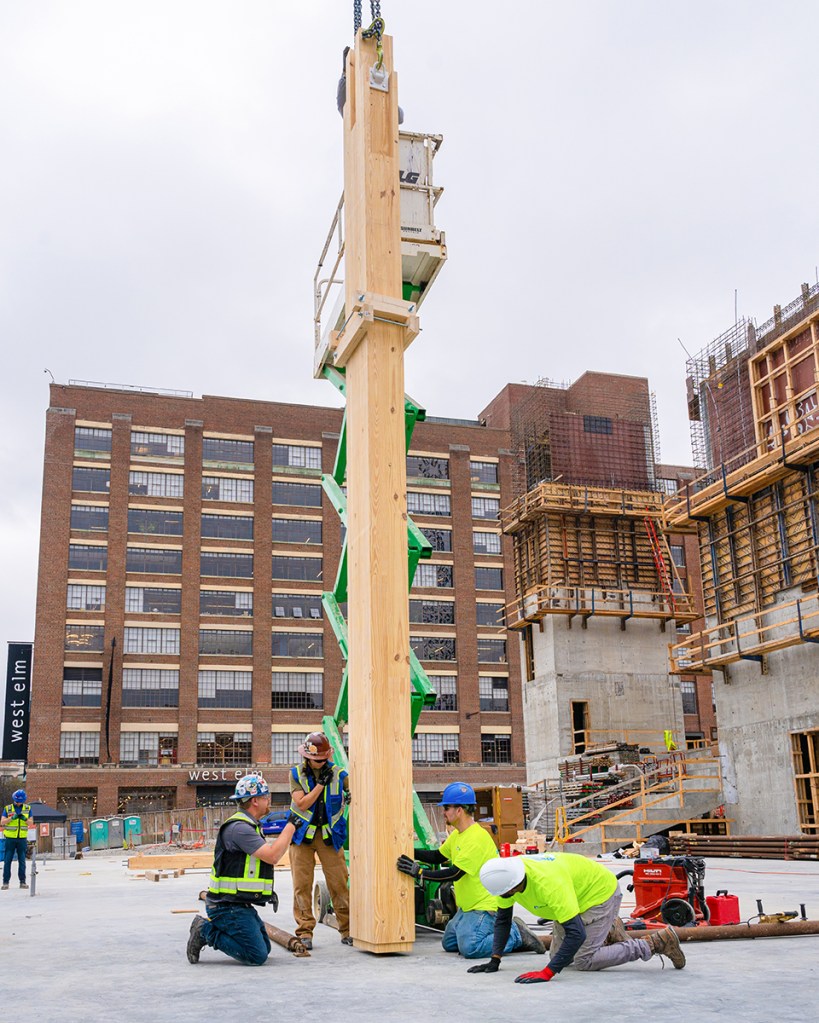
19,796
249,786
458,793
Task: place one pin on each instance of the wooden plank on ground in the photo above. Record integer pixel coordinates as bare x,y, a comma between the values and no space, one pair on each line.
171,861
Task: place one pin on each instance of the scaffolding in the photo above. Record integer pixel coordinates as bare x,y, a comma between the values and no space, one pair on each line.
719,384
753,396
586,435
590,551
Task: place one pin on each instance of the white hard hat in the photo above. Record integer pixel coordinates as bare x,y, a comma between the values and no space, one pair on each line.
501,874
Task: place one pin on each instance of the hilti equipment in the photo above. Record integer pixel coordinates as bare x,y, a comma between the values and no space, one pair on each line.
669,891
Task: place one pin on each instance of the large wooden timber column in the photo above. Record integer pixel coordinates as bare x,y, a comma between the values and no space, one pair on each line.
382,915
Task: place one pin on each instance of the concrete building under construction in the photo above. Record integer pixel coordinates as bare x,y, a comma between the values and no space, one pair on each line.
600,587
752,397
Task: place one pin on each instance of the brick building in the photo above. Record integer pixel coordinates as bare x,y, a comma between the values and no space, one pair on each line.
180,636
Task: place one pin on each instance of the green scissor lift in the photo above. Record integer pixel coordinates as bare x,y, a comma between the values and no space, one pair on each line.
429,909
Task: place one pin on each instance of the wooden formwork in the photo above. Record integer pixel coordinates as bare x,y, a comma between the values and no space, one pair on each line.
589,551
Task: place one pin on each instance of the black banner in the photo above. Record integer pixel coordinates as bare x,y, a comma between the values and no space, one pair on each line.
17,703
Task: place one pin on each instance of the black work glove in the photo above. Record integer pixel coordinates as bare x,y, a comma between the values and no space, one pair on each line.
409,866
295,820
325,775
491,967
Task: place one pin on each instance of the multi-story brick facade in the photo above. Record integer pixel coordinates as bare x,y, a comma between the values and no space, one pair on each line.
180,637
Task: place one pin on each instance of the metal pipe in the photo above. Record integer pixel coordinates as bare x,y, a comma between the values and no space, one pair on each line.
725,932
288,941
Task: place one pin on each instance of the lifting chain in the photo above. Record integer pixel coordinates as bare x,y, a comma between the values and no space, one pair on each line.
376,28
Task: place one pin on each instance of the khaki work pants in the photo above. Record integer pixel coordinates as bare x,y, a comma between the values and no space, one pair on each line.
302,866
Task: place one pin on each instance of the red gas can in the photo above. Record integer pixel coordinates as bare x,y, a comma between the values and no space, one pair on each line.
724,908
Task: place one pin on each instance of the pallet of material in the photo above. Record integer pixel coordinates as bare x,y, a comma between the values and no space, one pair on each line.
762,847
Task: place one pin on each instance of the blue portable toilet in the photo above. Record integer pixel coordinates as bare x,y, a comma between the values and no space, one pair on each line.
132,830
99,833
78,832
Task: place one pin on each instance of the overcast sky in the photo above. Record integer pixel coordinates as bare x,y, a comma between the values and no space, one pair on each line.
613,171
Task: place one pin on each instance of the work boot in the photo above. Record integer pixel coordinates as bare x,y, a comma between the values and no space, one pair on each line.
617,932
195,940
23,884
307,942
5,888
531,942
666,943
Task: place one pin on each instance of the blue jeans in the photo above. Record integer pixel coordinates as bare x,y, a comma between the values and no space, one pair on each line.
15,847
238,931
471,934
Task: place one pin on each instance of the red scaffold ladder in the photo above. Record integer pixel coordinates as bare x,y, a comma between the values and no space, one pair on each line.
659,562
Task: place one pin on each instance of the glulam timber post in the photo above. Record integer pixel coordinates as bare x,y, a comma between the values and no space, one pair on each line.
379,325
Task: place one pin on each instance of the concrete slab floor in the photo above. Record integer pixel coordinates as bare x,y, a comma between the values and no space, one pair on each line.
96,944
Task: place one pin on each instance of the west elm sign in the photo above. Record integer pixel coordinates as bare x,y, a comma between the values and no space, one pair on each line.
17,703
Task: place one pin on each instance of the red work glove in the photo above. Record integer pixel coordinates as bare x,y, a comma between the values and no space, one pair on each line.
540,977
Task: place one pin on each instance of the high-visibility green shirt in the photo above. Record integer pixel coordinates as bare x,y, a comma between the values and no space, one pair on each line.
560,886
469,850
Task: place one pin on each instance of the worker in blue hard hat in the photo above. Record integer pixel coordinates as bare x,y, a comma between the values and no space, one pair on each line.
459,860
241,879
15,823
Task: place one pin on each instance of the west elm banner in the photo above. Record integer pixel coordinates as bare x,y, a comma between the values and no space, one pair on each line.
17,702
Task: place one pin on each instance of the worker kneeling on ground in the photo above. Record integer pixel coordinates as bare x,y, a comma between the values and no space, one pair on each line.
466,849
583,900
241,879
319,791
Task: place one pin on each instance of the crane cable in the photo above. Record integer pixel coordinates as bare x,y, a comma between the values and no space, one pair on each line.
376,28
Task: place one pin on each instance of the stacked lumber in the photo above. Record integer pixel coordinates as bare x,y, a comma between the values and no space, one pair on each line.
760,847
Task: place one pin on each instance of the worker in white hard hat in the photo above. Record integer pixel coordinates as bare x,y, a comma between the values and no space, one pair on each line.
241,879
583,899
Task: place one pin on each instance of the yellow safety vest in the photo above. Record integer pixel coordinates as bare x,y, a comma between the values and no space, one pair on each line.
18,826
236,876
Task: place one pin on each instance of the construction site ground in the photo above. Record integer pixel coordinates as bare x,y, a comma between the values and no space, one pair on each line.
99,942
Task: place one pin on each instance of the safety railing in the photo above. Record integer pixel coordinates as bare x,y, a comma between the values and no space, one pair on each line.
749,637
651,789
588,601
582,500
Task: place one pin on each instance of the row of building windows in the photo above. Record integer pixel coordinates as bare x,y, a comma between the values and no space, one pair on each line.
94,518
290,690
235,490
239,643
168,561
239,603
234,749
93,442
